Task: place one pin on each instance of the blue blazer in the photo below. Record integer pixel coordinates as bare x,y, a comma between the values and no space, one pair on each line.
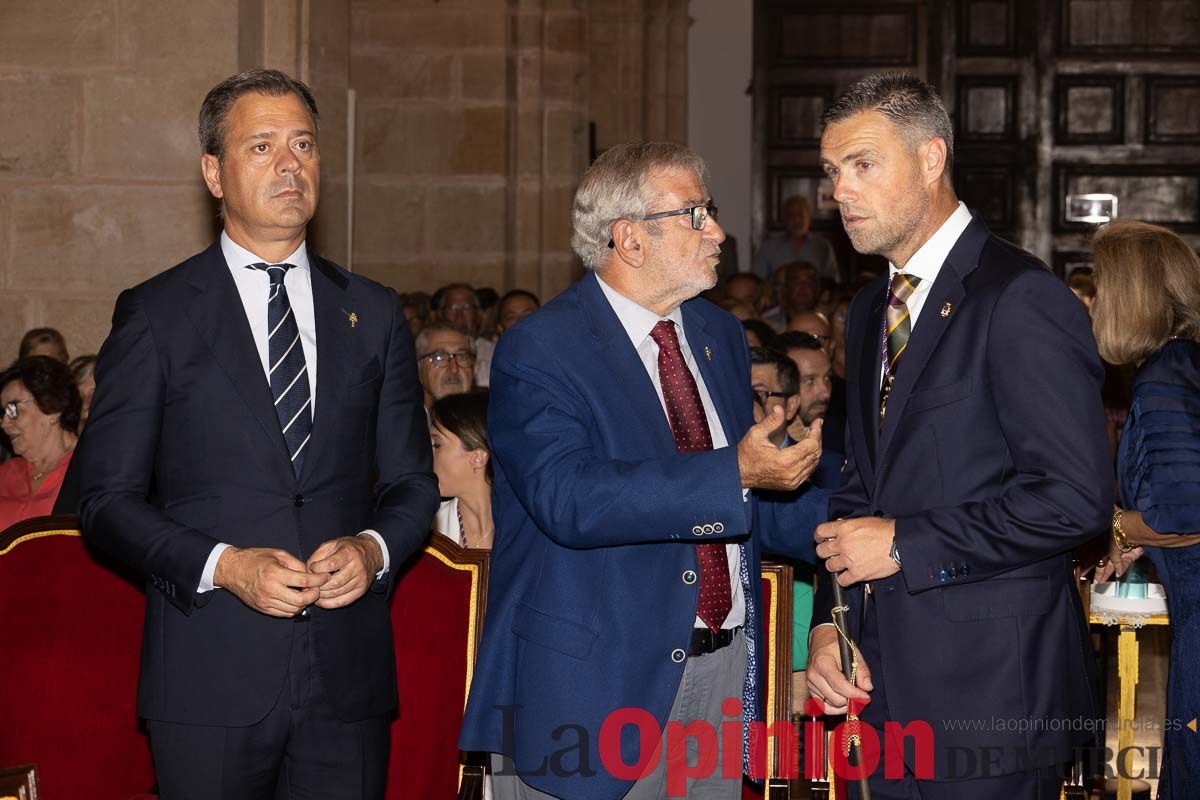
994,462
593,575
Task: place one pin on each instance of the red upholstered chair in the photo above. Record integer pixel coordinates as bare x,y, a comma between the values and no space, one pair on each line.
777,679
70,634
437,617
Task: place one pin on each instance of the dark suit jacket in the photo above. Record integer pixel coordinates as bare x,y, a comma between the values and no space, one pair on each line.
994,463
183,450
592,593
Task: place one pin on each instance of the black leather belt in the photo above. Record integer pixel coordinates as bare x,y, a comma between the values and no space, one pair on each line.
704,641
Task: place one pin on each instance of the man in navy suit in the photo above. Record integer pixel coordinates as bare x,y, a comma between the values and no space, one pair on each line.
976,461
625,572
257,449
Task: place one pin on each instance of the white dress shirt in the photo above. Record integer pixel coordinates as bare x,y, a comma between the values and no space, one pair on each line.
253,287
927,262
638,321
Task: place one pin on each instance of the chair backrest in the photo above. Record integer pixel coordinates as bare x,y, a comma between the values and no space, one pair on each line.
70,635
437,619
776,605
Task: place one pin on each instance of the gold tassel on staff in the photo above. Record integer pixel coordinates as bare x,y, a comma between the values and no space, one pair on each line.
850,670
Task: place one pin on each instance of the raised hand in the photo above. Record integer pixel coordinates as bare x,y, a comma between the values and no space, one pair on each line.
765,466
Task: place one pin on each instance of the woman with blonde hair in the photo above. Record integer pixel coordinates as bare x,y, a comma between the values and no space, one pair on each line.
1147,313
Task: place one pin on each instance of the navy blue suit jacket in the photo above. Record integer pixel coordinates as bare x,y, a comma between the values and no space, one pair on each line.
993,460
183,450
592,584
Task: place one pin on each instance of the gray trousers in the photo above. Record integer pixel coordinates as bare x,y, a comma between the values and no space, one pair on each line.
707,681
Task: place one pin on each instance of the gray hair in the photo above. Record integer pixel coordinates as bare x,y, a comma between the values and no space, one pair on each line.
440,326
614,188
912,104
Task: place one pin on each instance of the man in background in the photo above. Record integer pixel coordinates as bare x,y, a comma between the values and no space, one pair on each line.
798,242
445,360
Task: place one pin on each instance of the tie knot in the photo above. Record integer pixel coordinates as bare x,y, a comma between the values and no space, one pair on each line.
274,271
663,333
903,286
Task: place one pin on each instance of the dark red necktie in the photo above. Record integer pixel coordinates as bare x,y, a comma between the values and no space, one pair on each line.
690,427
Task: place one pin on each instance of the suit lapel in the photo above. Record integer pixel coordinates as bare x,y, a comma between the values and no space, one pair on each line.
946,295
334,355
865,342
625,364
218,316
702,344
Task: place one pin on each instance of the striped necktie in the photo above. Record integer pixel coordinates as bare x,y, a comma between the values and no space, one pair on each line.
689,426
289,372
897,329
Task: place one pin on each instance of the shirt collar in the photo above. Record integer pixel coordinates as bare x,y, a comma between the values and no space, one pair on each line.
636,319
238,257
927,262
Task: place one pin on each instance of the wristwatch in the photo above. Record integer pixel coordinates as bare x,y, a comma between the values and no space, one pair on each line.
895,552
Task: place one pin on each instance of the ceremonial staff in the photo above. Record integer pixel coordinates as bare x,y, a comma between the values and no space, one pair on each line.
850,670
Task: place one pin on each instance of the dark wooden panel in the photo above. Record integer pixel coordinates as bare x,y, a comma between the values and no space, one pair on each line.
1131,28
1173,109
989,189
1065,262
1163,194
987,108
807,182
795,115
987,27
1091,109
858,35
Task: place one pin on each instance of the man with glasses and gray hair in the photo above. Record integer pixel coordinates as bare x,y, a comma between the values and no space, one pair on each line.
445,360
625,572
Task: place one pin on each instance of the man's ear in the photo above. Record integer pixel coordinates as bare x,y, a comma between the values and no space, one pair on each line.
791,407
210,167
932,156
627,242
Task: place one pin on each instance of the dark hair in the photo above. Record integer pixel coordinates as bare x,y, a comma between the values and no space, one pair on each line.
487,297
221,98
765,333
439,297
912,104
464,415
520,293
786,369
798,340
52,386
39,336
746,276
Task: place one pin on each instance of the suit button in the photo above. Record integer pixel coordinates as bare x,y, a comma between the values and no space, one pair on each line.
697,530
298,500
689,577
677,655
708,529
718,527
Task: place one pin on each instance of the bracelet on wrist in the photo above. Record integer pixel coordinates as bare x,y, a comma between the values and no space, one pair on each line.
1118,533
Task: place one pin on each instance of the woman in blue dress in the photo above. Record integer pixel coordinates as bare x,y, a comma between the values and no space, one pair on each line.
1147,313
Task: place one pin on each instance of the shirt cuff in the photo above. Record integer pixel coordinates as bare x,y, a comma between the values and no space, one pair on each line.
745,495
387,562
210,569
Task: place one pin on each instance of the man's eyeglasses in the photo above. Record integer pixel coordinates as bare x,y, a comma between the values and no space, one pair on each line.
700,215
762,395
461,307
12,409
441,359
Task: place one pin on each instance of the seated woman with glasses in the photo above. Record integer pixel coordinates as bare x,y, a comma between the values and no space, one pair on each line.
41,406
463,464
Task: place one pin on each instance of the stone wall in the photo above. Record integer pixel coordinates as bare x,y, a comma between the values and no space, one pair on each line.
471,132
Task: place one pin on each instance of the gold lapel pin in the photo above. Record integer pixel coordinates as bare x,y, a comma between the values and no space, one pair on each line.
946,310
708,352
354,318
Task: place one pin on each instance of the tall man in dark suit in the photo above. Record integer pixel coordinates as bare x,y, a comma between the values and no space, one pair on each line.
257,449
625,568
976,460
